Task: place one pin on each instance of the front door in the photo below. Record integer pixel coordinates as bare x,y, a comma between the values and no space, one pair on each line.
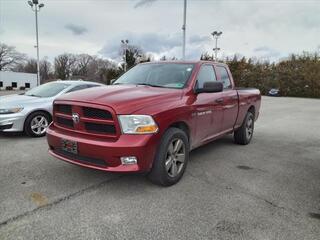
208,107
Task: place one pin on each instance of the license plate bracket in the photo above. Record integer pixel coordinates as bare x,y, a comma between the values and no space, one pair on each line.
69,146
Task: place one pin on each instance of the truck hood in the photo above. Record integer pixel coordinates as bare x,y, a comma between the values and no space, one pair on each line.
125,99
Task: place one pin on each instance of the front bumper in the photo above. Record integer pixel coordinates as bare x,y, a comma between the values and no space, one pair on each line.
103,154
12,122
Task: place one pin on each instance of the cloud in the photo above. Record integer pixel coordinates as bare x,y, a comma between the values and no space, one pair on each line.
76,29
266,52
197,39
158,44
144,3
149,42
284,27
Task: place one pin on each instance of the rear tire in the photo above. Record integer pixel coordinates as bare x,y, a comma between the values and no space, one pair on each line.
244,134
171,159
36,124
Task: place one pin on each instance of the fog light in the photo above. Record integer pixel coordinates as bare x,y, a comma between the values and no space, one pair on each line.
128,160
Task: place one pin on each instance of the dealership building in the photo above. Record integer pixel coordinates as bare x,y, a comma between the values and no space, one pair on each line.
16,80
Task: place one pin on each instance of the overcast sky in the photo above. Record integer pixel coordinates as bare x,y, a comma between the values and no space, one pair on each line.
264,29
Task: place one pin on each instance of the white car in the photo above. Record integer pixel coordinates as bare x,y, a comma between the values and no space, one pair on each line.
31,112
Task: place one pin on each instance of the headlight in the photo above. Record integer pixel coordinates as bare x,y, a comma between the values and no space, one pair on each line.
137,124
10,110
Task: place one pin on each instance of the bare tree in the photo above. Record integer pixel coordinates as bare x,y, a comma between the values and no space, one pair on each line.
45,70
9,57
146,58
206,56
30,66
133,53
63,65
102,70
82,63
163,58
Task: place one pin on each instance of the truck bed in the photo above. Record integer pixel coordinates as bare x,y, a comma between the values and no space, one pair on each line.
247,97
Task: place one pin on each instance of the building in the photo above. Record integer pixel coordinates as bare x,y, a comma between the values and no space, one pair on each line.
16,80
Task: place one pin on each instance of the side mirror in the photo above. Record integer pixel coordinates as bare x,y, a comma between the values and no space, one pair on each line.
112,81
210,87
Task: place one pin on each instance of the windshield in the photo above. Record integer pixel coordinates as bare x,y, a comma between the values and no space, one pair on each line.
169,75
47,89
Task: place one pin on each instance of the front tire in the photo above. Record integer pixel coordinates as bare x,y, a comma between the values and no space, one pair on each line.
171,159
244,134
36,124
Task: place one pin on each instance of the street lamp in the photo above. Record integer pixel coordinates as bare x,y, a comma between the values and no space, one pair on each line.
125,47
184,29
216,35
35,6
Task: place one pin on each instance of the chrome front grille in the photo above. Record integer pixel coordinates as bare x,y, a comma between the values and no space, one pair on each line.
91,120
96,113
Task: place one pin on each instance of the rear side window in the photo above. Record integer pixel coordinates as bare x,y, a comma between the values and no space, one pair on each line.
224,76
206,74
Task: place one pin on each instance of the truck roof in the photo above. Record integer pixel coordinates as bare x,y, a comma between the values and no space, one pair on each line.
185,62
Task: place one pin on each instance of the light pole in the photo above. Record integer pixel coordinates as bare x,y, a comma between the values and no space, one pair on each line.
184,30
216,35
125,45
35,6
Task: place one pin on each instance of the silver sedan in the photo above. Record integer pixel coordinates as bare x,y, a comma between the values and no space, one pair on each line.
31,111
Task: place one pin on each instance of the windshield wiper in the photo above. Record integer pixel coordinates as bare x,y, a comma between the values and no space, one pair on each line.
150,85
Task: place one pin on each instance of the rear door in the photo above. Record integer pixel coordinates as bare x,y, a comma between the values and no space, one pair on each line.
209,108
230,99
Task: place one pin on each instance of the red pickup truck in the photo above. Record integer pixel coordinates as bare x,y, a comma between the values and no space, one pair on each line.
151,118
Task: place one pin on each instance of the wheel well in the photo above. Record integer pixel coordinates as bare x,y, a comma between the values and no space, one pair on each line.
183,126
39,111
252,110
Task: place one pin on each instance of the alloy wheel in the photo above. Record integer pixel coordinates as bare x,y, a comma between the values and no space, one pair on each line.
175,157
39,125
249,127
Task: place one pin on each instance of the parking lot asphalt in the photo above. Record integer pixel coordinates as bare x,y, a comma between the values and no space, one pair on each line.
269,189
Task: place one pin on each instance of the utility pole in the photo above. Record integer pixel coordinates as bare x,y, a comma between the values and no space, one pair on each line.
216,35
125,47
184,30
35,6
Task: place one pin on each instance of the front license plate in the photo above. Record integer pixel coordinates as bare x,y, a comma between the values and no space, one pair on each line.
69,146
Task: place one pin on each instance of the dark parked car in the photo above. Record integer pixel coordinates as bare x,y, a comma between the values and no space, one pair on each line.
275,92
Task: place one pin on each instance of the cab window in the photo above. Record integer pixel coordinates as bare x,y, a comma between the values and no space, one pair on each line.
206,74
224,77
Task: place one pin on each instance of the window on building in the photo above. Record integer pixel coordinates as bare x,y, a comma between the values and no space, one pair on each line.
27,85
14,84
1,84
